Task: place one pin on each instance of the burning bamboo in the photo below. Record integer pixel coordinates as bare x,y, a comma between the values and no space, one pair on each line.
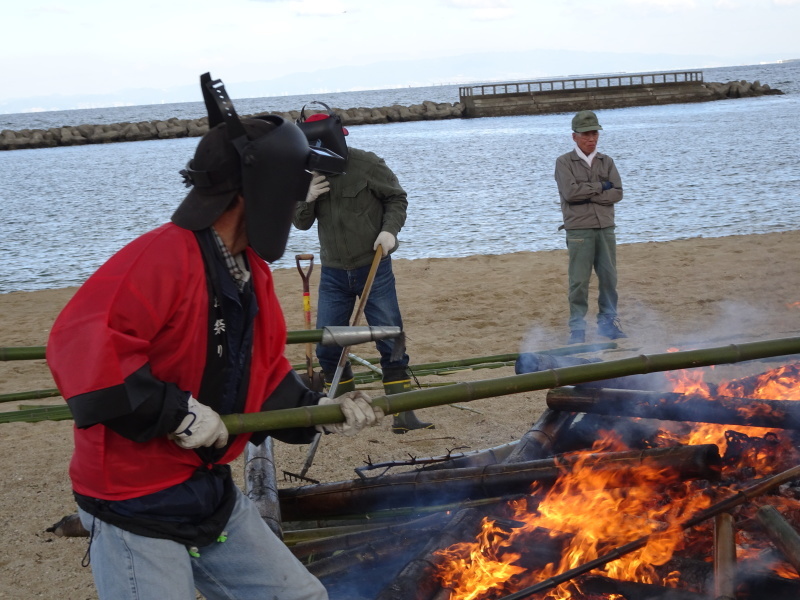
415,580
740,497
670,406
782,534
419,488
537,443
724,558
465,392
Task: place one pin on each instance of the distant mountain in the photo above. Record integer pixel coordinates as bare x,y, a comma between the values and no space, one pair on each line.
465,68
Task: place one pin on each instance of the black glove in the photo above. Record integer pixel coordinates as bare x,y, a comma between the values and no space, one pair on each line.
607,185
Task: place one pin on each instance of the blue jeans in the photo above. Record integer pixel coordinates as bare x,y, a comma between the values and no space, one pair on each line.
338,291
592,248
252,564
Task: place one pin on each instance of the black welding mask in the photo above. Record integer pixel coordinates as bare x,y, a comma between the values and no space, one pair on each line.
324,129
267,159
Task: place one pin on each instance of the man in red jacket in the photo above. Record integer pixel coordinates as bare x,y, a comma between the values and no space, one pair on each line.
178,327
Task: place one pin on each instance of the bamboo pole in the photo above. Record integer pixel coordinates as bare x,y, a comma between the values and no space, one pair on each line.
724,557
30,395
330,336
261,483
740,497
782,534
475,390
671,406
537,442
361,556
418,488
34,415
348,541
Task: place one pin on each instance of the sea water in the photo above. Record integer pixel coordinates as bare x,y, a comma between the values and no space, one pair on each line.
475,186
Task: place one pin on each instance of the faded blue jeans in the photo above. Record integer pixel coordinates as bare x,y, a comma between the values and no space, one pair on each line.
588,249
338,291
253,564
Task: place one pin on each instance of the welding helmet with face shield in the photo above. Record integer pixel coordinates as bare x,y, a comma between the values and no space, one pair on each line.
324,129
266,158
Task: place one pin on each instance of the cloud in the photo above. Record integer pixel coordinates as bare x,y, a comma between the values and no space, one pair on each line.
311,7
317,7
665,5
483,10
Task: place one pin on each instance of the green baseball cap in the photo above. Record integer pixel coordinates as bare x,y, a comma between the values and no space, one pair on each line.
585,120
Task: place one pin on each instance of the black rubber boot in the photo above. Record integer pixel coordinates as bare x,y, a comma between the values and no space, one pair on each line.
346,382
395,381
407,421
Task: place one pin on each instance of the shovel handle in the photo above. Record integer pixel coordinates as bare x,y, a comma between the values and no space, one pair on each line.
305,274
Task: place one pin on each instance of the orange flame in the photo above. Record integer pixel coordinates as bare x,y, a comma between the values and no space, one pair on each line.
590,511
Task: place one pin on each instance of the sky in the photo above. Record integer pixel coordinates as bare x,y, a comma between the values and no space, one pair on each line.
80,48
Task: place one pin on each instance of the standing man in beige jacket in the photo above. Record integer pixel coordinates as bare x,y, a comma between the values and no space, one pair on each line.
589,186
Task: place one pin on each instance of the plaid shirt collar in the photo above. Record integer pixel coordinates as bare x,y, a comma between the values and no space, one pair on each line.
237,266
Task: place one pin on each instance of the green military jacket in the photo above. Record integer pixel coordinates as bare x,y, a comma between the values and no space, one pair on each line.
362,202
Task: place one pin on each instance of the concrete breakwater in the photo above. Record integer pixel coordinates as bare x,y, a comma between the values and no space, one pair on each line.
178,128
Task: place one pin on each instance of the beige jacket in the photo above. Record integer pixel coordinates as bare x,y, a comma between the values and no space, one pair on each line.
584,204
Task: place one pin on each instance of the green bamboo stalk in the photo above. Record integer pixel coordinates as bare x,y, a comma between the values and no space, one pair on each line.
31,395
22,353
475,390
495,358
34,415
300,336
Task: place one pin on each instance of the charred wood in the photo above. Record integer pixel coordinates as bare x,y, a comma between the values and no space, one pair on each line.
537,443
670,406
629,590
422,487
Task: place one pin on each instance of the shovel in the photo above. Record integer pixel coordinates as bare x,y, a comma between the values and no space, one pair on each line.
314,381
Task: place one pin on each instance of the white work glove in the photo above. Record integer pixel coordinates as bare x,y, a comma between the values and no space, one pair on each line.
201,427
319,185
358,413
385,240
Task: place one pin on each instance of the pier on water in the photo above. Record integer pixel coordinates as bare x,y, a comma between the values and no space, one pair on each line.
591,92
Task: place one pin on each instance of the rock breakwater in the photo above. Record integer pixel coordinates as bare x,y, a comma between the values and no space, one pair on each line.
178,128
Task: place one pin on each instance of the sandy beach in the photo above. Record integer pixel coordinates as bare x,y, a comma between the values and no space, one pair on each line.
681,294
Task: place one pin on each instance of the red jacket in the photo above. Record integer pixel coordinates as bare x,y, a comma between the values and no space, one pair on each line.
149,305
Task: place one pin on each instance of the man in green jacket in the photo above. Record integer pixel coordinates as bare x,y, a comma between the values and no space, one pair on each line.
357,211
589,186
